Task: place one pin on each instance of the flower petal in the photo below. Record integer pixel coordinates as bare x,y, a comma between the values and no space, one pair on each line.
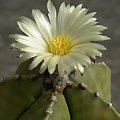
60,16
31,42
66,64
26,56
73,26
80,21
92,45
80,67
43,24
28,29
52,63
31,50
61,68
45,63
18,45
35,62
52,16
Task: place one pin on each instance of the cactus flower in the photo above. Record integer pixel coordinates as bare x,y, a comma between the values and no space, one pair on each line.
63,41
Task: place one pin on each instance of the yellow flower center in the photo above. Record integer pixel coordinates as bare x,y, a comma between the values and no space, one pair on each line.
59,46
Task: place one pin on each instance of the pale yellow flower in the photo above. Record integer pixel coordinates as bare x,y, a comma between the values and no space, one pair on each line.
63,42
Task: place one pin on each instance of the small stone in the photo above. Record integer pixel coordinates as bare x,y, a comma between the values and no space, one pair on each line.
49,111
109,105
96,94
53,98
82,86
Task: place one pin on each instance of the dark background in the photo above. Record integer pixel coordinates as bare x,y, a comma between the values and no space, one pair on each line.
108,14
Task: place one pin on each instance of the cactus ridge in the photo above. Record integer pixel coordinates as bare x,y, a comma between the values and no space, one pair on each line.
23,68
98,78
18,94
50,106
43,97
84,105
49,110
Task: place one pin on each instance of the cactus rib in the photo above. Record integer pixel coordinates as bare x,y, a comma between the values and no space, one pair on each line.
19,95
84,105
49,110
98,78
56,109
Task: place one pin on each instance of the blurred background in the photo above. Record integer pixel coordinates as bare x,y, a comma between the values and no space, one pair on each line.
108,14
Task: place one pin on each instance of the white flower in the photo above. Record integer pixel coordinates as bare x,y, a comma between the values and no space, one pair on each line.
63,42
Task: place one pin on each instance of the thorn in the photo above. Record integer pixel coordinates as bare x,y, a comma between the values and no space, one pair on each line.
53,98
69,84
60,81
57,88
49,111
17,77
96,94
109,105
2,80
82,86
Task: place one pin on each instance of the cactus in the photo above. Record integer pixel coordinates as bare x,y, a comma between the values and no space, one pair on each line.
17,94
23,68
98,78
84,105
51,106
59,79
26,97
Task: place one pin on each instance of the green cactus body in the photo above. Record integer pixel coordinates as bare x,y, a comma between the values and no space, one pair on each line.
98,78
59,79
47,108
23,68
17,95
26,98
84,105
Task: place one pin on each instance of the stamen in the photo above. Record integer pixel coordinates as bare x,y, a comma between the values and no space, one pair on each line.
59,46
